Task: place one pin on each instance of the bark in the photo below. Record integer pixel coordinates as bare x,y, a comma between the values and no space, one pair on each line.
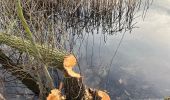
74,88
51,57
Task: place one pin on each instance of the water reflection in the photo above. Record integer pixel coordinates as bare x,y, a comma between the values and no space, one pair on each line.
140,69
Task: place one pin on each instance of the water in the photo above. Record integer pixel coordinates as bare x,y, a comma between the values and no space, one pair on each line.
140,69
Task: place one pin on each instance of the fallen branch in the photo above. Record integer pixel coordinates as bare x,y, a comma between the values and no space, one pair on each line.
51,57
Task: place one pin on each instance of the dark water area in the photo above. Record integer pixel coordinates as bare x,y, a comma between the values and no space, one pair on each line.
132,65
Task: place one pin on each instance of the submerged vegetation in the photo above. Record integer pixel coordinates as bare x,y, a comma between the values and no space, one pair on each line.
34,36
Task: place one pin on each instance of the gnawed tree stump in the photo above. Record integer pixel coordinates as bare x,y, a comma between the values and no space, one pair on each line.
74,89
73,86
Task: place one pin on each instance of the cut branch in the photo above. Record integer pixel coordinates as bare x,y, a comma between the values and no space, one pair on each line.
51,57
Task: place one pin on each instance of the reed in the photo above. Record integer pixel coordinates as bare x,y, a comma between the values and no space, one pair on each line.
75,15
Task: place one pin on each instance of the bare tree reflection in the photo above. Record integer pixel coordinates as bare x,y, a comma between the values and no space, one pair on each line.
63,24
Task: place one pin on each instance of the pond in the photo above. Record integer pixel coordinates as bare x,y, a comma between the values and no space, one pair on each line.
128,65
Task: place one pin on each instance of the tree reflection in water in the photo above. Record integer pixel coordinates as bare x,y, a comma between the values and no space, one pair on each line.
78,26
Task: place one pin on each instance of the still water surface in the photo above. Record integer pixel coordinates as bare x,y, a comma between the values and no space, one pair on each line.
132,65
141,67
